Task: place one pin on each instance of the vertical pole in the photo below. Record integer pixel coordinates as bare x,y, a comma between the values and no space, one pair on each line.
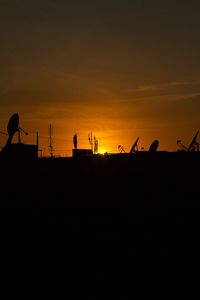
50,141
91,142
37,139
37,143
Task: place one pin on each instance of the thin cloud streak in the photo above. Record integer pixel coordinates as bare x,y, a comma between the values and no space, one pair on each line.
167,86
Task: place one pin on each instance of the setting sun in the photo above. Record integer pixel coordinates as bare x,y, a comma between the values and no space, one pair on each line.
102,151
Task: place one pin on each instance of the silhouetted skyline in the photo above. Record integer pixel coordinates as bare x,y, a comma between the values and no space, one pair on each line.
121,69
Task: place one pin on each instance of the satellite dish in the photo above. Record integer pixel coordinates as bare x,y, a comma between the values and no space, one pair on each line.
193,141
135,147
154,146
121,149
13,125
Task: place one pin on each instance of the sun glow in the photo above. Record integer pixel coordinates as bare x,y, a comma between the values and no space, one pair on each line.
102,151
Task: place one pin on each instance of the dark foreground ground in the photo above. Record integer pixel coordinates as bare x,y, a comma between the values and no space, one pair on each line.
115,221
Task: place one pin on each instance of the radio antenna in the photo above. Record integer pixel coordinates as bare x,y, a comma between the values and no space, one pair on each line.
90,139
51,140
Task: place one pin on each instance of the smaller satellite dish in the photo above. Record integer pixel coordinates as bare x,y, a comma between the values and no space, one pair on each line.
13,125
154,146
121,149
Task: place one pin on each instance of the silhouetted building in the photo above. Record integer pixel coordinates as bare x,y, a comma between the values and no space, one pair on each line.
20,151
81,152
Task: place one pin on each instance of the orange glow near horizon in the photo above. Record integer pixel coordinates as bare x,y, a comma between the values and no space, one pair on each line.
103,151
113,122
109,133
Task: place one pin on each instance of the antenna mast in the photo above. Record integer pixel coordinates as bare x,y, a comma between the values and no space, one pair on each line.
51,140
90,140
95,145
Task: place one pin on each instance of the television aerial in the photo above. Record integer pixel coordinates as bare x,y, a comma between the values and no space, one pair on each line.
154,146
13,127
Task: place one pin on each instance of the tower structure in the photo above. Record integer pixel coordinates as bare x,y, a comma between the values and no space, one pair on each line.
51,150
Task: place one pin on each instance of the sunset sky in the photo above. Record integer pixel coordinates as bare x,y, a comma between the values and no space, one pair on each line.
122,69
